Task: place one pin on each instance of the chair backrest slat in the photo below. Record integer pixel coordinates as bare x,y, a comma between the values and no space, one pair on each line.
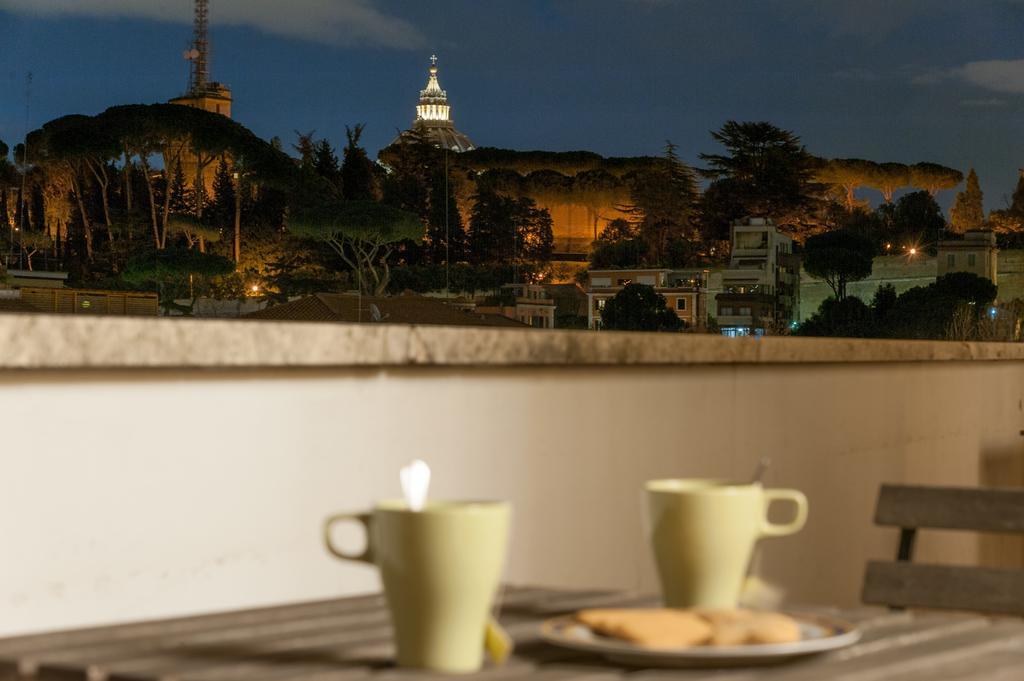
948,587
951,508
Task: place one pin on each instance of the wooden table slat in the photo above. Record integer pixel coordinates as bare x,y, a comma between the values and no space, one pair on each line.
366,638
145,640
881,665
991,666
224,620
350,640
84,637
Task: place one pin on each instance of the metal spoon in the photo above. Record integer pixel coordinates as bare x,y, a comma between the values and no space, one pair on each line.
762,466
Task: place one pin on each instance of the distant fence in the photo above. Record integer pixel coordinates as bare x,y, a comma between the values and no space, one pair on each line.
82,301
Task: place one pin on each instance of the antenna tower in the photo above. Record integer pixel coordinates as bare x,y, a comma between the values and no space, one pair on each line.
199,55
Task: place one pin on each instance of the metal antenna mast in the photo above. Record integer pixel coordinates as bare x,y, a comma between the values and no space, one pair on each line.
199,55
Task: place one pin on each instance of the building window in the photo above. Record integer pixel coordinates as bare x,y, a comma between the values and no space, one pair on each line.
970,260
725,311
951,260
624,282
681,304
744,311
752,240
599,304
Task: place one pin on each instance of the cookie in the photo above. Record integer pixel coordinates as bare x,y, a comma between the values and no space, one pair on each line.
650,628
728,627
771,627
731,616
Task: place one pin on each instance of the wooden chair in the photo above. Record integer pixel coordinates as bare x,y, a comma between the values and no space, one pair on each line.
905,584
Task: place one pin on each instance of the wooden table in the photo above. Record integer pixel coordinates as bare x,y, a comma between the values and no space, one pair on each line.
350,639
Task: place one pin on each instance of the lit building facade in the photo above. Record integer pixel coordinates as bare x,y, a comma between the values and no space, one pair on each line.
527,303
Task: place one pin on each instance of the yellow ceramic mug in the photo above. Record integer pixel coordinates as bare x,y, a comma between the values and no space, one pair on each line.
703,533
440,567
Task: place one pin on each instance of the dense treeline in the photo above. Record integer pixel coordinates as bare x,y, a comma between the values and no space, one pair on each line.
123,199
188,202
764,171
958,306
568,163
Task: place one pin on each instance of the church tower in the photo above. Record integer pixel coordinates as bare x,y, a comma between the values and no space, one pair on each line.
202,92
434,116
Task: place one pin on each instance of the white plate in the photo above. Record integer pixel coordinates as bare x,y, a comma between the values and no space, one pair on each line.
818,634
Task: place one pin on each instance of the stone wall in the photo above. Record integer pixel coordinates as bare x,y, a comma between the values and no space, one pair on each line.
575,225
905,273
183,490
900,271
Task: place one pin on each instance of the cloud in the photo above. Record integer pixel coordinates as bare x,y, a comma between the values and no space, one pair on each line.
997,75
990,103
335,22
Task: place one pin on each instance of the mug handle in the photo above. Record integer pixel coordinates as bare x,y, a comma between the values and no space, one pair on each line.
770,529
367,521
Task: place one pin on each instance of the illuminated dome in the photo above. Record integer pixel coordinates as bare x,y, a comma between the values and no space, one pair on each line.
434,117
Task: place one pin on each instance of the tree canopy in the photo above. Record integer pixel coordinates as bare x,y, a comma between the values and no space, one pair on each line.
363,233
508,230
664,199
968,212
764,172
954,306
933,177
638,307
839,257
847,174
916,220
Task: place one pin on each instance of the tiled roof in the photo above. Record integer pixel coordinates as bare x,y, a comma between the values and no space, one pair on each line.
404,309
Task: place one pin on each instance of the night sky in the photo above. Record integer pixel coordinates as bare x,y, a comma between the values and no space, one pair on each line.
896,80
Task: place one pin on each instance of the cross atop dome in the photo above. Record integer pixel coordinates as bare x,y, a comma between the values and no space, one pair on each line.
434,115
433,104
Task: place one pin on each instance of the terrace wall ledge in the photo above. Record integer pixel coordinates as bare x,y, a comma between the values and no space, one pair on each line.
56,342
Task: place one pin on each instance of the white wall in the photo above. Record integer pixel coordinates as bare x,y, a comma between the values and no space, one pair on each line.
141,495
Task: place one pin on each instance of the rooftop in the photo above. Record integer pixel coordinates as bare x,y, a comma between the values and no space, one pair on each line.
404,309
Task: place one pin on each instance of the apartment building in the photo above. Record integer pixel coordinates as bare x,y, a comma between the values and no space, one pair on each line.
683,291
759,292
976,253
